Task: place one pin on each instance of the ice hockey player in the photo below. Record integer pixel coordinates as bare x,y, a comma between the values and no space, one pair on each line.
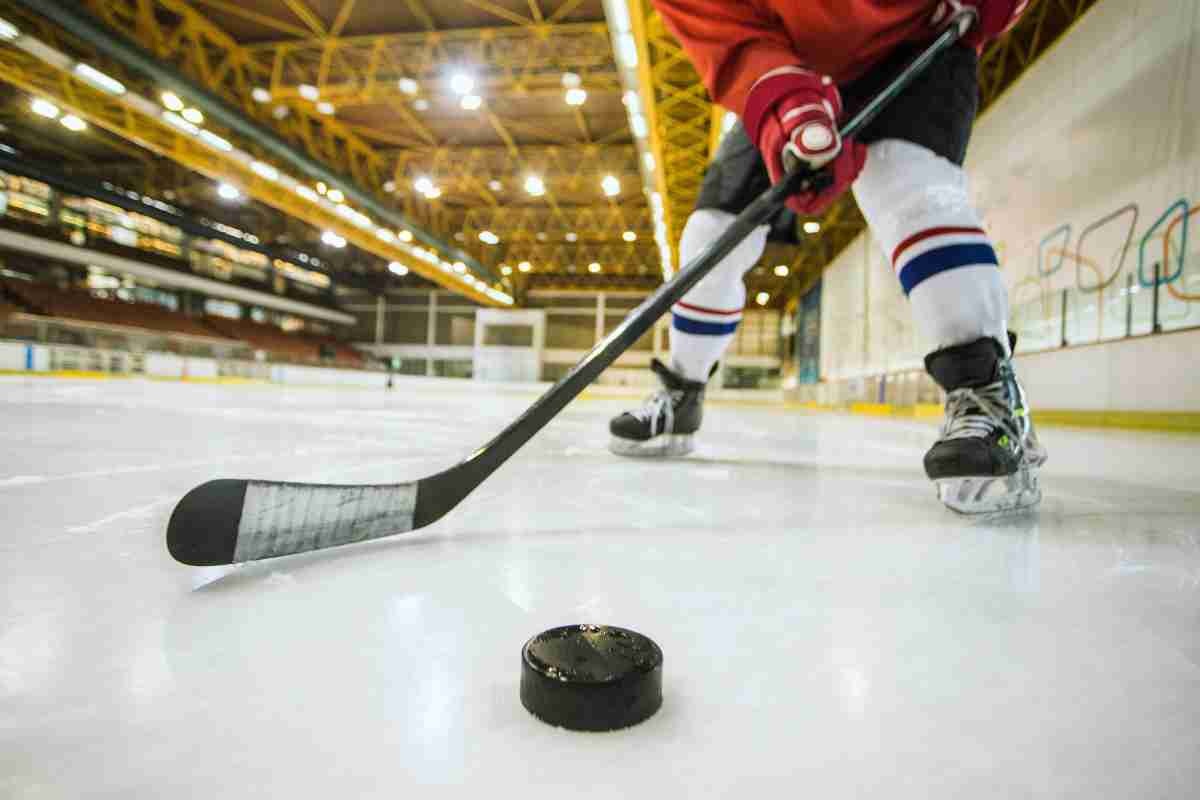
790,69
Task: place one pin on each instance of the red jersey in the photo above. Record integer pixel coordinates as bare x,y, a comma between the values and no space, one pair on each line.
733,43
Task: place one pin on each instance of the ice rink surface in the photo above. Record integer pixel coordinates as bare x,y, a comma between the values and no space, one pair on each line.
830,630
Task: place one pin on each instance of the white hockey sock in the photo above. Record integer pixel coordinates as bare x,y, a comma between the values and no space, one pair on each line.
704,322
920,213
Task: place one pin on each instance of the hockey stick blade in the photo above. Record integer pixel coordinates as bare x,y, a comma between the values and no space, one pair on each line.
232,521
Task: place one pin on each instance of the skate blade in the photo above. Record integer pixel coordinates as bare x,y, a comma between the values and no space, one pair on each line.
988,494
667,445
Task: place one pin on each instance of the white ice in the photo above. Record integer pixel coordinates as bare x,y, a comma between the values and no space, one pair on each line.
830,631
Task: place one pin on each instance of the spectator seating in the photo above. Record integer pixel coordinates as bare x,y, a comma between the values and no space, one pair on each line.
77,304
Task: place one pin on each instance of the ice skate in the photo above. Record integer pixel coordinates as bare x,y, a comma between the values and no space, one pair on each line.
987,456
666,424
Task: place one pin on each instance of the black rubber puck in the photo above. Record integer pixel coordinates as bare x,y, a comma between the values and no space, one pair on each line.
591,677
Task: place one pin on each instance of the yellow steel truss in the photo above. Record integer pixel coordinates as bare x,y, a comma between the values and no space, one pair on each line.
523,60
155,135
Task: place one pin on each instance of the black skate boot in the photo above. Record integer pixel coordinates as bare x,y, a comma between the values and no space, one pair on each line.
987,456
666,424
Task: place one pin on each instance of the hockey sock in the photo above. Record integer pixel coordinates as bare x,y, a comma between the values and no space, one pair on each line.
704,322
920,213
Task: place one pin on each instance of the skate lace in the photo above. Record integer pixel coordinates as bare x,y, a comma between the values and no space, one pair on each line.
978,412
659,407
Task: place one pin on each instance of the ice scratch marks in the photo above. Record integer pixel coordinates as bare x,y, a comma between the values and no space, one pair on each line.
21,480
128,515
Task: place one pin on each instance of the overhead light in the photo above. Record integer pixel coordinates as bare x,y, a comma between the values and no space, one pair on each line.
462,83
627,50
396,268
423,185
593,267
762,298
576,97
812,227
406,236
281,112
782,270
471,102
326,108
264,170
260,95
307,193
8,31
193,116
632,101
44,108
495,185
460,267
525,266
637,124
433,194
73,123
333,240
505,269
648,161
228,191
215,142
572,236
487,237
336,196
535,186
408,86
421,104
571,80
389,186
90,75
610,185
309,92
171,101
629,236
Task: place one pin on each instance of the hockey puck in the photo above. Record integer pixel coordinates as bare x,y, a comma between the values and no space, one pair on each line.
591,677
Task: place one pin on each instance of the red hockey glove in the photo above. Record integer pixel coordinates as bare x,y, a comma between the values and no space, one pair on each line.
995,18
791,115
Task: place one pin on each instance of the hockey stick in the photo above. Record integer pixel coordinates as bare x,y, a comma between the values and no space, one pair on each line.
229,521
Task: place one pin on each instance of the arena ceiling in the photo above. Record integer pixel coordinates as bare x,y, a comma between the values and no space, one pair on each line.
439,113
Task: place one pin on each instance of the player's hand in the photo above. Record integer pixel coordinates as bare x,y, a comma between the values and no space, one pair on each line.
791,115
994,18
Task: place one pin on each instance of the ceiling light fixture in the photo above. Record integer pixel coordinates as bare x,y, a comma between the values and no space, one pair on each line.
535,186
171,101
462,83
44,108
90,75
610,185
